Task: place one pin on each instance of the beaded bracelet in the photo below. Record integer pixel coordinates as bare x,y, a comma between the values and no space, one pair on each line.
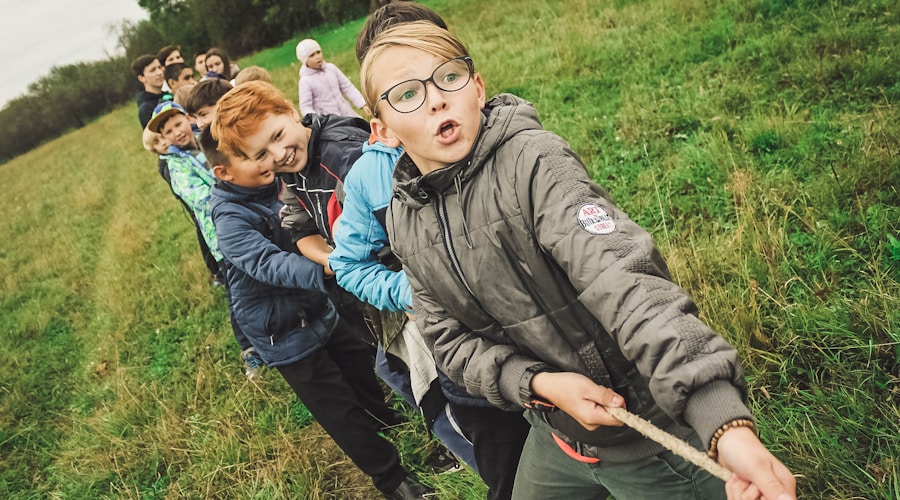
713,452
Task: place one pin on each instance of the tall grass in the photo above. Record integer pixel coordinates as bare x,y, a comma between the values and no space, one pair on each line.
758,141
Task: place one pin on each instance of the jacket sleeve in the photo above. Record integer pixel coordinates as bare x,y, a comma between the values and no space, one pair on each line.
294,216
348,90
454,346
358,239
251,252
307,103
195,193
694,374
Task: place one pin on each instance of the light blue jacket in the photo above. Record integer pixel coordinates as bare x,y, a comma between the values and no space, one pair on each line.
360,235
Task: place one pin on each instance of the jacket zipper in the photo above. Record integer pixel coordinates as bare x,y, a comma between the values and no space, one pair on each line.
315,210
440,209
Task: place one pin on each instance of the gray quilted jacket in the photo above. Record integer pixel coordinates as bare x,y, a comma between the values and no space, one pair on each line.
516,259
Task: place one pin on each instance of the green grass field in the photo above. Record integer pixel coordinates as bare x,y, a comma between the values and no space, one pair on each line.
758,141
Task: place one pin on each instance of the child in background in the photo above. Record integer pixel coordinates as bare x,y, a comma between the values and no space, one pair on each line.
252,73
170,54
281,302
536,291
158,145
323,87
218,63
151,75
155,143
200,62
201,102
191,181
179,75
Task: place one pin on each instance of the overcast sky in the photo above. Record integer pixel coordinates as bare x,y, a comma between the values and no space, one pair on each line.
36,35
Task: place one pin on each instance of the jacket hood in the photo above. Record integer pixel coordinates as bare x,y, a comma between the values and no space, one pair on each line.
503,116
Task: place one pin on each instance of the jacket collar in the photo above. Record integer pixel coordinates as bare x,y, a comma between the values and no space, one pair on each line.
502,117
262,194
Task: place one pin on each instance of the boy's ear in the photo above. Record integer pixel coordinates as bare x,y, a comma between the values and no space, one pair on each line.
479,85
221,173
384,134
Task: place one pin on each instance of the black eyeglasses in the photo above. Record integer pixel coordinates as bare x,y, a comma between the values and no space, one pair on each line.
409,95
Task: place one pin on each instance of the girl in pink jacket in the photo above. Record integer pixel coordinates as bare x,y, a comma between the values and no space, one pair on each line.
323,87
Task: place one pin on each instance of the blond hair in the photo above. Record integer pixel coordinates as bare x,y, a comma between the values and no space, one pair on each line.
419,35
252,73
180,96
240,112
148,138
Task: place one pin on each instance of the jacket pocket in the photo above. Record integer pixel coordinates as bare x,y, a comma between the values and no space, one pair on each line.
284,314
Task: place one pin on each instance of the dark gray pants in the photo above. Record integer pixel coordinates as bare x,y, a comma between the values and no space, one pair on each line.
546,472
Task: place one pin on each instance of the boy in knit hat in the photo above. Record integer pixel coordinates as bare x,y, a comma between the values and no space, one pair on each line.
323,87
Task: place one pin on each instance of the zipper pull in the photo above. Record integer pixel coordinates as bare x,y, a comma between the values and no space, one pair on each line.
271,340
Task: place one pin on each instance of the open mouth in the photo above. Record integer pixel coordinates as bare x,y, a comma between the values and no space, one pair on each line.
289,160
446,129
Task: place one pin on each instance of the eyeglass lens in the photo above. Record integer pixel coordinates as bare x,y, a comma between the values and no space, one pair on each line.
408,96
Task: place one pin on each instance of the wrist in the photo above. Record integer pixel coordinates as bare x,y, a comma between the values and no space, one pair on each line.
530,398
729,431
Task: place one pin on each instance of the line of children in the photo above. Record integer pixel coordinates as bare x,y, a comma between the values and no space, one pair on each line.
191,181
281,298
577,312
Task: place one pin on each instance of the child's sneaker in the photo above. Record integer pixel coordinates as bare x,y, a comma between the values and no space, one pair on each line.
252,363
443,461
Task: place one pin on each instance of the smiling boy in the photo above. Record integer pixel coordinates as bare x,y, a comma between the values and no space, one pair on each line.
311,157
577,311
318,352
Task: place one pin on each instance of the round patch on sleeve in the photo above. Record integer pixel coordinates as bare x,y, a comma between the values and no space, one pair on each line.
595,220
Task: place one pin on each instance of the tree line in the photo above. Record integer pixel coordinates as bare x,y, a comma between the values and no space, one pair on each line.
70,96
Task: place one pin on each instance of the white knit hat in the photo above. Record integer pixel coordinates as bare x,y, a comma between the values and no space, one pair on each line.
306,48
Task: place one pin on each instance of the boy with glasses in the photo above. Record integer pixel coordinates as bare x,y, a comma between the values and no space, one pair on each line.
537,292
488,439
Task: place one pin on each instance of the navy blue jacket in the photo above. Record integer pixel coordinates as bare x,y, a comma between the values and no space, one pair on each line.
278,295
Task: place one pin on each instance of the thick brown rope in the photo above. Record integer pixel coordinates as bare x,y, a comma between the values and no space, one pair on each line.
670,442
